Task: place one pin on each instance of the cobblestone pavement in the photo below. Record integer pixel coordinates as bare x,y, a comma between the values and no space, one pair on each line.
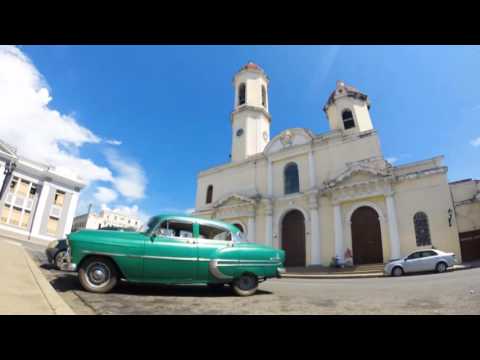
449,293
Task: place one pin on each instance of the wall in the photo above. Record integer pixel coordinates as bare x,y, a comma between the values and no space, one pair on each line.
431,195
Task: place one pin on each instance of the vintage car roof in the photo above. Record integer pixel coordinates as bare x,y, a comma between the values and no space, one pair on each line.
203,220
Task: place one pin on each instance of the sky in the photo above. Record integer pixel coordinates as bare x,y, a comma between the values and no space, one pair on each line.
138,123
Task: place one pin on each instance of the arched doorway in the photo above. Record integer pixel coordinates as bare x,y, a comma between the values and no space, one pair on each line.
366,236
293,238
239,227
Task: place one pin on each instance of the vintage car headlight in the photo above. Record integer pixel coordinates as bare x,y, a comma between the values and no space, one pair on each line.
53,244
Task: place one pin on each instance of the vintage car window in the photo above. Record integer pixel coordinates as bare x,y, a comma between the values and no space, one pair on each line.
240,237
215,233
174,228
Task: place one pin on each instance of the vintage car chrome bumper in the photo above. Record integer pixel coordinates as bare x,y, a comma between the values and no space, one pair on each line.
281,271
68,266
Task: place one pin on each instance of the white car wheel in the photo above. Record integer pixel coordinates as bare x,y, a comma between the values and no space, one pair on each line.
441,267
397,271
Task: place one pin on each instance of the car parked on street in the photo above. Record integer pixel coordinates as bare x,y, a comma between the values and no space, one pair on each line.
421,261
56,252
172,249
57,249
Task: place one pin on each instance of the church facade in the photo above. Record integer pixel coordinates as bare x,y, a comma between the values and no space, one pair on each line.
325,196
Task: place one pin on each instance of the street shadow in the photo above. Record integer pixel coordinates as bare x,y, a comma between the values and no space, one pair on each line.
48,266
69,282
177,290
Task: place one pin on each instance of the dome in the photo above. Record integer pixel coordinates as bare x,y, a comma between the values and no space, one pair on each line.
343,89
251,66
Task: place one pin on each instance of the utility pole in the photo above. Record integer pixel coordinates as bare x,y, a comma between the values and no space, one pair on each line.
8,172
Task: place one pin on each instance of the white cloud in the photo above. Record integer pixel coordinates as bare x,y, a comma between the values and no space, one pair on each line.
392,160
113,142
39,132
475,142
105,195
131,180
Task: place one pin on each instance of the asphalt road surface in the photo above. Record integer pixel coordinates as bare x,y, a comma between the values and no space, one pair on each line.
456,292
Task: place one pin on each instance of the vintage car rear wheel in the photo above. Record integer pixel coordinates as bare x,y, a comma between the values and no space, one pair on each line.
245,285
98,274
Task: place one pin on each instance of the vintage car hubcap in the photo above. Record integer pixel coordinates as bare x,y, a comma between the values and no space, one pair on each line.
246,283
61,258
97,274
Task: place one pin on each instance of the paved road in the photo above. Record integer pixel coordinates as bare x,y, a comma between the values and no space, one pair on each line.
455,292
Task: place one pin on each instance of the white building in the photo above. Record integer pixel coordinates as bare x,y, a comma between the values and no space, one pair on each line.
320,196
38,203
106,218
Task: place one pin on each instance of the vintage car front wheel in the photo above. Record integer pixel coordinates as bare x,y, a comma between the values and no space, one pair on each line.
98,274
245,285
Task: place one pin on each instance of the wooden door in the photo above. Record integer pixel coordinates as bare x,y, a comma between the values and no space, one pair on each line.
366,237
470,245
293,238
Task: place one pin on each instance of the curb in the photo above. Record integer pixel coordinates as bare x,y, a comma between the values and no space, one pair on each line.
351,276
58,305
355,276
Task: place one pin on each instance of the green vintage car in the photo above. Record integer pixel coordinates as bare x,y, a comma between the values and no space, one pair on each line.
172,249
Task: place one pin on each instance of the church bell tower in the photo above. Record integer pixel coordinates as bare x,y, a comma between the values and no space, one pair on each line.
348,109
250,118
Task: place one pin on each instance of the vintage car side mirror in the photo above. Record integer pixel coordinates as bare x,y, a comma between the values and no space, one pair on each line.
152,237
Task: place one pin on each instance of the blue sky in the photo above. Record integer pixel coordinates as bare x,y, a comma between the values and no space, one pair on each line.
169,106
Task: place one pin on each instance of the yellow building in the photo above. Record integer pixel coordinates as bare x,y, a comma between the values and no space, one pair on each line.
320,196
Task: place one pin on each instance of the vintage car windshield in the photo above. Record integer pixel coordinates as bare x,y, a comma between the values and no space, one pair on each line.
149,225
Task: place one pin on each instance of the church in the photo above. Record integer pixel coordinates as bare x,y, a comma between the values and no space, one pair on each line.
326,196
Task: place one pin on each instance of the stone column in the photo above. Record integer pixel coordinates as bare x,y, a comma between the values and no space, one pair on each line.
70,214
339,247
40,208
311,169
269,179
393,227
269,224
2,175
315,248
251,227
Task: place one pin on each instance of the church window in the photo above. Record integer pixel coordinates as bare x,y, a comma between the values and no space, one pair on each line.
209,194
291,181
422,231
264,96
241,94
347,118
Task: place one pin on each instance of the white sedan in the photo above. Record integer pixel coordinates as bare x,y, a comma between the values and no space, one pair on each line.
421,261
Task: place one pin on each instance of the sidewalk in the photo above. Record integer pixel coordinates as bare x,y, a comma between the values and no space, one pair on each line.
23,288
